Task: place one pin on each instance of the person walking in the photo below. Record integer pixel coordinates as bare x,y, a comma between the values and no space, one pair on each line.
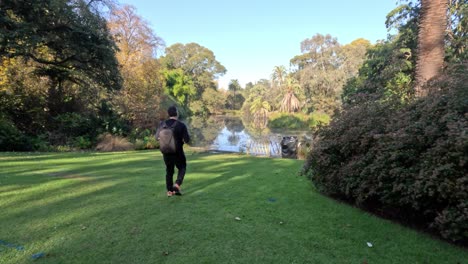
172,131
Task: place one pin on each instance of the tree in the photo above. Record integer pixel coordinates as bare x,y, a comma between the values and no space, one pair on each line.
431,34
323,69
68,62
179,85
136,40
140,99
197,62
320,72
278,75
290,103
214,100
319,51
233,87
68,39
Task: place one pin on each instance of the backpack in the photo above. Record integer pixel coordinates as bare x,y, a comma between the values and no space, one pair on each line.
166,138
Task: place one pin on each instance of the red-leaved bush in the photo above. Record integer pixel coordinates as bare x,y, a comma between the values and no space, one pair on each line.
406,162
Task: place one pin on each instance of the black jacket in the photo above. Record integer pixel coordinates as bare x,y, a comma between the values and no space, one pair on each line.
181,134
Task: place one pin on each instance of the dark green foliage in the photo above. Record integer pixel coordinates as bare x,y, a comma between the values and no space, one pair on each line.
58,63
388,72
408,162
234,102
298,120
68,39
69,126
288,121
11,138
144,139
110,121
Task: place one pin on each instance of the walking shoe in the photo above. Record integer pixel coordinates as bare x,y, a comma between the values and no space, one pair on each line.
170,193
176,189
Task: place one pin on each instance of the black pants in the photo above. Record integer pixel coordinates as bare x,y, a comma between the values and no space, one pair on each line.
178,160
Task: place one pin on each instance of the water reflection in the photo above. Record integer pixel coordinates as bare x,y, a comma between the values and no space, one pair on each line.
230,134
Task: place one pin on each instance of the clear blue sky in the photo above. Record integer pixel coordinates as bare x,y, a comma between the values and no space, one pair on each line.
251,37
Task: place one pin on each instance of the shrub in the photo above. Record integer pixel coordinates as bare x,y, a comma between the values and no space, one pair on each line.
151,142
74,129
297,120
109,142
286,120
11,139
146,143
62,148
139,144
318,119
144,139
40,143
408,162
82,143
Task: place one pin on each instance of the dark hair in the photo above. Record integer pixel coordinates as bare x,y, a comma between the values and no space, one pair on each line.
172,111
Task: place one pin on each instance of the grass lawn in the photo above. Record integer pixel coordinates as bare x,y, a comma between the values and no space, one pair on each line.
112,208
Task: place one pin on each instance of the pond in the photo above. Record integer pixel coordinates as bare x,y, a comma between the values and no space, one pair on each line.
230,134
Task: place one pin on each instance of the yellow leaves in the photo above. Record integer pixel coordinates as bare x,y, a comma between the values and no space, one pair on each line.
6,65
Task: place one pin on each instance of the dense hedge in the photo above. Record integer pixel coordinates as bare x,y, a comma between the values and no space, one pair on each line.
407,162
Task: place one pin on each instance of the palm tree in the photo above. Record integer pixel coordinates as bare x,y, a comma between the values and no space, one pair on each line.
278,75
431,33
290,103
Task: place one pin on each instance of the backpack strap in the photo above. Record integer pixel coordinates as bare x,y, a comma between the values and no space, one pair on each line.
173,124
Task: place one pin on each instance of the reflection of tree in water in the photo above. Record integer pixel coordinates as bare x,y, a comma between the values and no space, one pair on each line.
245,134
233,139
234,125
204,131
258,130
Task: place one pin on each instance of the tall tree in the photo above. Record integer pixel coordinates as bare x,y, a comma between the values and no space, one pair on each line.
234,86
290,103
431,34
140,99
69,43
320,72
197,62
68,39
68,55
136,40
278,75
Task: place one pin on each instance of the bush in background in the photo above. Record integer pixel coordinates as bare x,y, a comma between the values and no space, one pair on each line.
287,120
144,139
11,139
318,119
109,142
297,120
406,162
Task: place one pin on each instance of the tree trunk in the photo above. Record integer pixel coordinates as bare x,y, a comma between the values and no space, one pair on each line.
431,33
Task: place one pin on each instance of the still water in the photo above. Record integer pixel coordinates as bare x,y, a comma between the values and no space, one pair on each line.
230,134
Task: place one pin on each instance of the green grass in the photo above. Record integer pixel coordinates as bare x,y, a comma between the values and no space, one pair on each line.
112,208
